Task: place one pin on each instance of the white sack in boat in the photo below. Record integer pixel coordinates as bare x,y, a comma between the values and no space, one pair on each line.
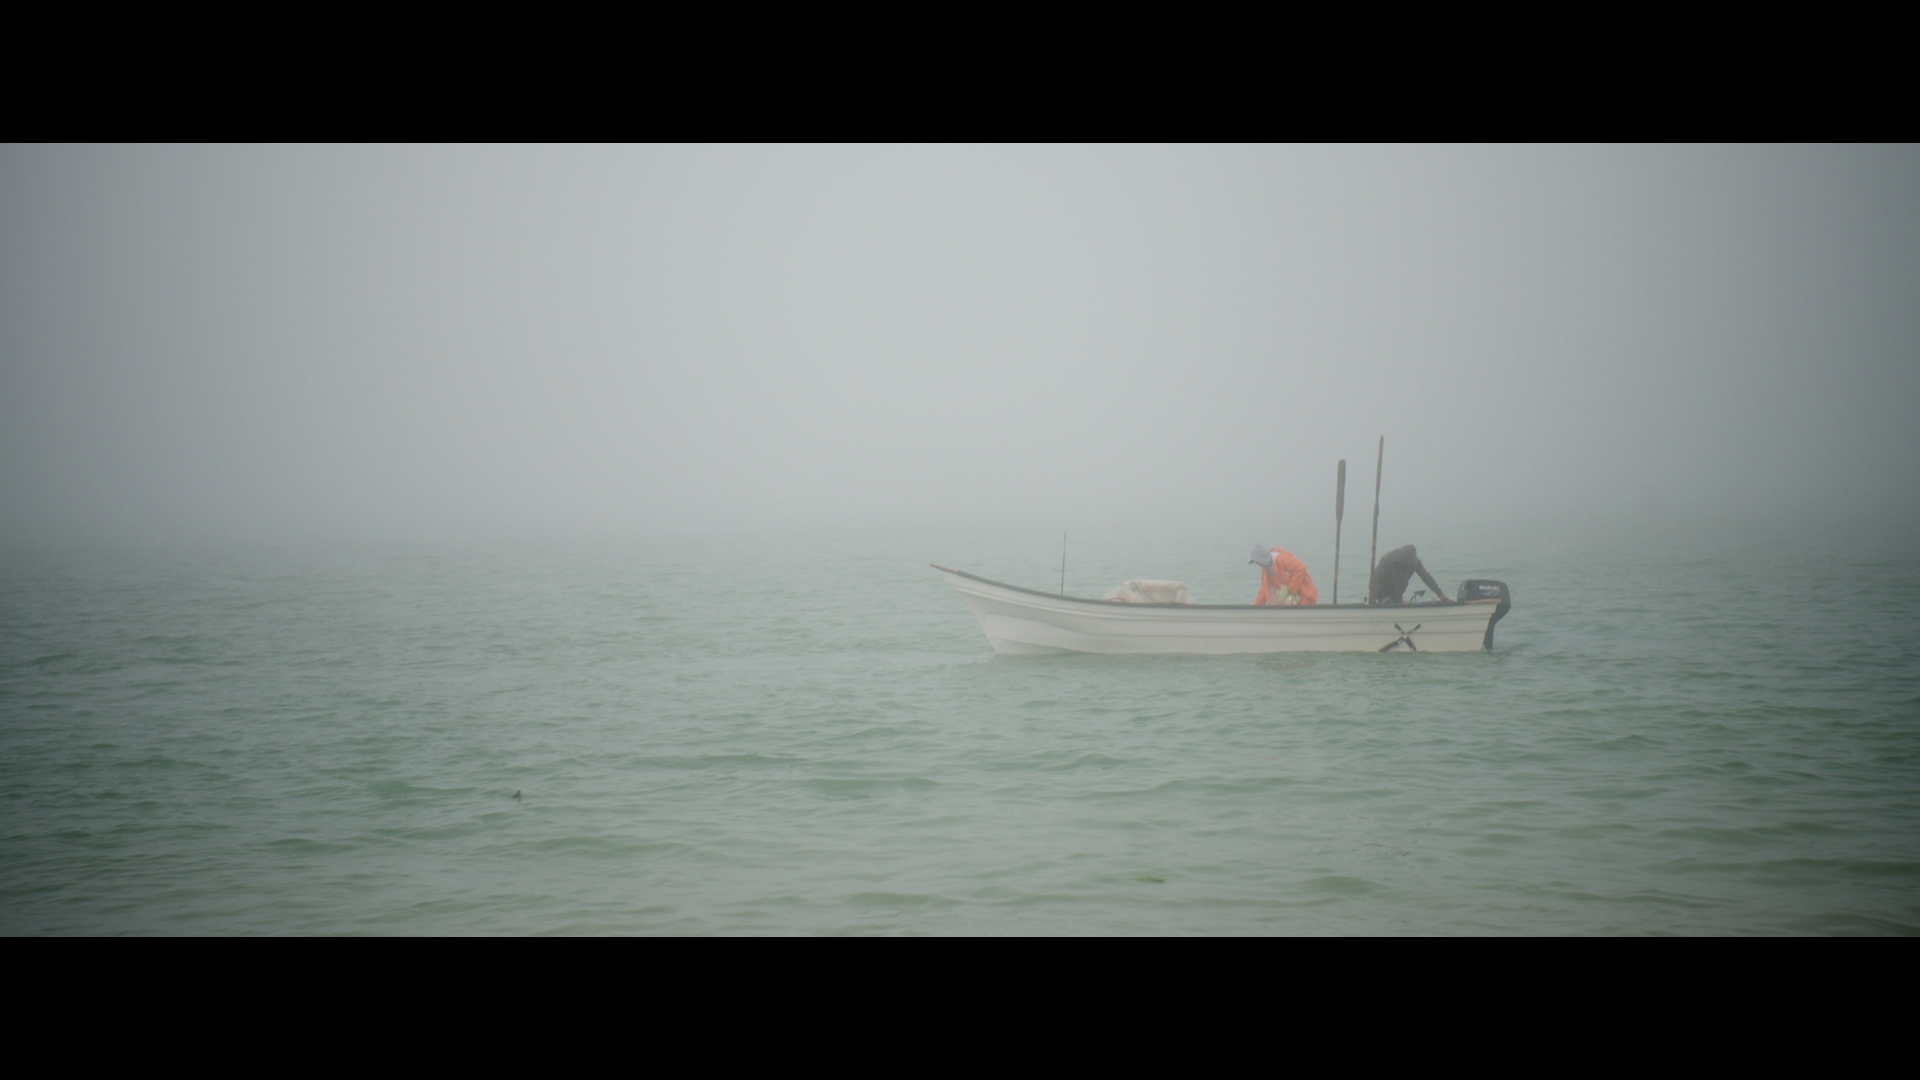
1142,591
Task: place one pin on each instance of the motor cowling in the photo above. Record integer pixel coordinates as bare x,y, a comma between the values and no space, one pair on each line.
1487,590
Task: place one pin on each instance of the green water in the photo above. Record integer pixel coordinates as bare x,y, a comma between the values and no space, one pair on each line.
1704,733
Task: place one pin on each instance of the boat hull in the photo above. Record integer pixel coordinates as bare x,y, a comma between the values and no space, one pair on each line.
1021,621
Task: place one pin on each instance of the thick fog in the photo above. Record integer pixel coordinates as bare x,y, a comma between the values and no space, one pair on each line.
419,342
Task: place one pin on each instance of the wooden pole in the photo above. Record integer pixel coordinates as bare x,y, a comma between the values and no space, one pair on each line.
1373,551
1063,564
1339,511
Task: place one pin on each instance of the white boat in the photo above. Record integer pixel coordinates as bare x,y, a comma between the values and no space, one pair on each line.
1026,621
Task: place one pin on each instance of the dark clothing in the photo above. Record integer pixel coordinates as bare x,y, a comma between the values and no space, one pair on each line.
1390,576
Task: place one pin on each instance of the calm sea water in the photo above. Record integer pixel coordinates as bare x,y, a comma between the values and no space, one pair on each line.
1694,732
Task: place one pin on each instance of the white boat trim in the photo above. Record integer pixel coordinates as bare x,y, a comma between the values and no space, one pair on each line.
1019,621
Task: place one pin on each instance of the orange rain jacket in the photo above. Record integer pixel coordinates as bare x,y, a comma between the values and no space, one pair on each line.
1287,574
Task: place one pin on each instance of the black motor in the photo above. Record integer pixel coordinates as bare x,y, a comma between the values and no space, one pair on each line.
1487,590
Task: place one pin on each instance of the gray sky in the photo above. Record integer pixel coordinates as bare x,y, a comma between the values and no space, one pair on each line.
287,342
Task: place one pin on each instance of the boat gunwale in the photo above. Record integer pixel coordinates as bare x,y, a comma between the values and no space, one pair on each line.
1205,607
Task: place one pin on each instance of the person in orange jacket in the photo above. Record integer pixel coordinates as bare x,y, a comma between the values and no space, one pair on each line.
1283,578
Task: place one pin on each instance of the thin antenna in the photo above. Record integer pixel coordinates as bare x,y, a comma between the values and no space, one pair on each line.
1063,564
1339,511
1374,551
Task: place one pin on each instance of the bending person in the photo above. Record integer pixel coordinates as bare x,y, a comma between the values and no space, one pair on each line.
1283,578
1391,574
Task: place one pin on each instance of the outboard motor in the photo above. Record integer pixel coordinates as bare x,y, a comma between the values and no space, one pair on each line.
1487,590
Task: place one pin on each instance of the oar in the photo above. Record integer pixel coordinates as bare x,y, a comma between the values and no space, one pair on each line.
1374,551
1339,511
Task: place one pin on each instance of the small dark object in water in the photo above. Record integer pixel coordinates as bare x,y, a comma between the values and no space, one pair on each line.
516,795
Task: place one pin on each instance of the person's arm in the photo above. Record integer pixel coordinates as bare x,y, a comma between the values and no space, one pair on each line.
1421,569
